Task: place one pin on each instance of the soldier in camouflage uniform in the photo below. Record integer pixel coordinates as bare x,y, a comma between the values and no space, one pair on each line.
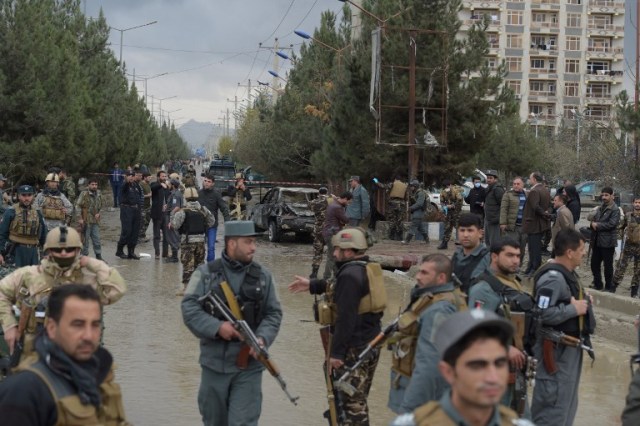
396,207
319,208
192,222
53,204
88,208
146,207
420,201
630,225
451,202
67,187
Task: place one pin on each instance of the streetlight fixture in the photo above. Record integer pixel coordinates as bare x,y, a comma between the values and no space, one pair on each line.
276,75
127,29
306,36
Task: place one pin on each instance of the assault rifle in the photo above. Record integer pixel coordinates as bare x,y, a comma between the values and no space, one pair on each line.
335,415
250,339
551,336
376,342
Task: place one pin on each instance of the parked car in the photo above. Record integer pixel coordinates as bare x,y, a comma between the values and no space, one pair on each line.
285,209
590,194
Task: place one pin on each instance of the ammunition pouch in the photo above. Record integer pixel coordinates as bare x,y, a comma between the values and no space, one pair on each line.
376,300
326,312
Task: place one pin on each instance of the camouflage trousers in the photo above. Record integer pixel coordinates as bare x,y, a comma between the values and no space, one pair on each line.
191,256
630,251
450,223
355,408
318,249
144,222
395,217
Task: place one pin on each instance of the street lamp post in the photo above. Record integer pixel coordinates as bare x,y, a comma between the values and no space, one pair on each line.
127,29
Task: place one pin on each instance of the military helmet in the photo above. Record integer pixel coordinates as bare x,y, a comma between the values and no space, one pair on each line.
52,177
63,237
190,193
351,238
414,182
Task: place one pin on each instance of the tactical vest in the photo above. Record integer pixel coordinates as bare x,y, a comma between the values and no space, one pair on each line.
25,226
514,301
572,326
633,228
398,189
431,414
70,410
373,302
405,340
53,207
464,274
194,223
250,297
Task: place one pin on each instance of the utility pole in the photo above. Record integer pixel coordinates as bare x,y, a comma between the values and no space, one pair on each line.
413,158
235,112
635,105
248,86
228,134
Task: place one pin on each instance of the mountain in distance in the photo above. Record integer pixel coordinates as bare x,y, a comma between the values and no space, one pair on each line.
195,133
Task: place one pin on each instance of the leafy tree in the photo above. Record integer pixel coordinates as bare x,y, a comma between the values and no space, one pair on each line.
225,145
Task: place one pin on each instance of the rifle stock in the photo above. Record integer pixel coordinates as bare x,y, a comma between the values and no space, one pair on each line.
332,413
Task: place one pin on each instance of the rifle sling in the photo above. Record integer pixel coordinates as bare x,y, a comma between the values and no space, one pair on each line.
231,300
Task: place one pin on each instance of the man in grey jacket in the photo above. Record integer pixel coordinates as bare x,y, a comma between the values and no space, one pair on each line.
417,209
359,208
230,395
604,239
566,309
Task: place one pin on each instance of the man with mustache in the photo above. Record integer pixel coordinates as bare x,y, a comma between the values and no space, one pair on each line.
70,381
30,286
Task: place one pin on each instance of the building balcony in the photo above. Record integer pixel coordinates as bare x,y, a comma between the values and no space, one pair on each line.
545,5
544,73
604,76
604,52
606,6
482,4
599,99
545,27
542,96
605,30
545,50
494,24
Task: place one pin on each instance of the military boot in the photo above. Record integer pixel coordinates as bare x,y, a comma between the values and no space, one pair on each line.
174,257
314,272
132,253
443,245
119,252
407,239
634,291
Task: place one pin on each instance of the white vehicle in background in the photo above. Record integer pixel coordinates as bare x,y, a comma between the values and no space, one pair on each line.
434,193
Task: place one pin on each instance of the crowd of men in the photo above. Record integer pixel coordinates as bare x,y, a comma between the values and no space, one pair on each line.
463,351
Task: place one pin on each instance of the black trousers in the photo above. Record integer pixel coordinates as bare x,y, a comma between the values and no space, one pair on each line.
535,251
158,227
598,256
130,223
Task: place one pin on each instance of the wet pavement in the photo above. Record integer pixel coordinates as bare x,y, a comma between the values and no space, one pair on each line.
157,357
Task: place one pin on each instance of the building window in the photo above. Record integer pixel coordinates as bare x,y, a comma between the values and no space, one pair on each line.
599,90
574,1
599,44
514,85
573,20
514,64
568,111
537,63
599,67
536,86
572,88
573,43
514,17
572,66
491,62
514,41
494,40
600,22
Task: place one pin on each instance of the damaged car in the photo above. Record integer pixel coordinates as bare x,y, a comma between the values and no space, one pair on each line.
285,209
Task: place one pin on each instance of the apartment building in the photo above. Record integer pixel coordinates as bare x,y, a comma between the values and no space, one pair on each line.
564,57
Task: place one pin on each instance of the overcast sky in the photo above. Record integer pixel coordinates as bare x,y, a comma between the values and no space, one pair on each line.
206,47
